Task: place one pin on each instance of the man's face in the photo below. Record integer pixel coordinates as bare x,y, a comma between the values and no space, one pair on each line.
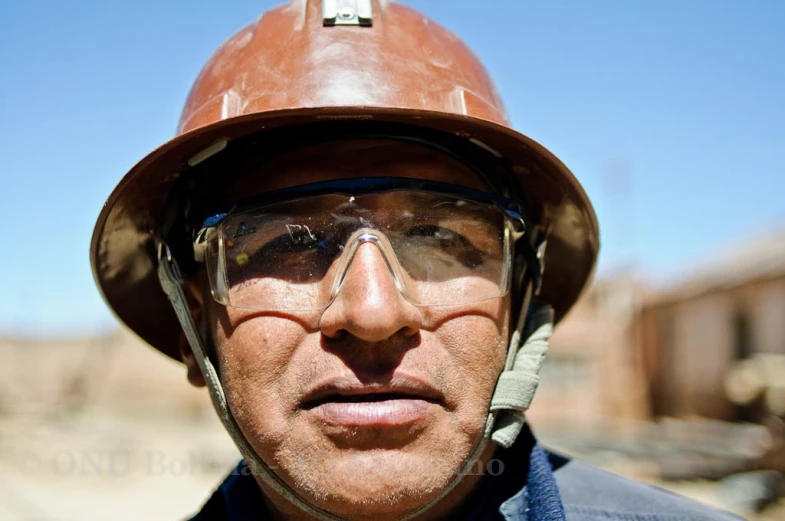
370,406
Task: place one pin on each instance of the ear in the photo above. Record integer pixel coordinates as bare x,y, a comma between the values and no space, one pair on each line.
195,301
195,376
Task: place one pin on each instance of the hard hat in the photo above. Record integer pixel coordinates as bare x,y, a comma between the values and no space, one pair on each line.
350,61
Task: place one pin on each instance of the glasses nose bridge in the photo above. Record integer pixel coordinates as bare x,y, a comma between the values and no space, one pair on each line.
382,243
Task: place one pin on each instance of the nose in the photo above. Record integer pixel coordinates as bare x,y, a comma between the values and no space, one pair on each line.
369,305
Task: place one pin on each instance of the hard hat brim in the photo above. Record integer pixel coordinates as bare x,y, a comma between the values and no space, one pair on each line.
122,250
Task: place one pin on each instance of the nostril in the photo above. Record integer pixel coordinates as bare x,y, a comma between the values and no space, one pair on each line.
371,359
335,335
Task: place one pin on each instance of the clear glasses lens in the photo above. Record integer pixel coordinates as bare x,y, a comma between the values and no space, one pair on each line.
442,250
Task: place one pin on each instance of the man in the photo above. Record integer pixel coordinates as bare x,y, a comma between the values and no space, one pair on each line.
362,262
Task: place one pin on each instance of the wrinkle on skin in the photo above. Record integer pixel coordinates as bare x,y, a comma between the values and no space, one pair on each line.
369,333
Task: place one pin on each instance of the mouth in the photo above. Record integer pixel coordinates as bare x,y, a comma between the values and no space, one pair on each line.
364,398
402,401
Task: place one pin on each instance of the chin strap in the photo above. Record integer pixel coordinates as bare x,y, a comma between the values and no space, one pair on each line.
518,382
511,398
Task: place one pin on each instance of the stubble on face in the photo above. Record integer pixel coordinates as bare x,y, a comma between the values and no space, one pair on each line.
268,362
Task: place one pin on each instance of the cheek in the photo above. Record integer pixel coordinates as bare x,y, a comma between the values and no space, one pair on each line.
477,342
254,356
475,349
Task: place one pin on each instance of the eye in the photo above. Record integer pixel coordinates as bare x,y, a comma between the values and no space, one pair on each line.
299,255
446,243
438,234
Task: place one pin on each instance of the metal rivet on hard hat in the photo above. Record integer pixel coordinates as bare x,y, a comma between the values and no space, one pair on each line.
347,12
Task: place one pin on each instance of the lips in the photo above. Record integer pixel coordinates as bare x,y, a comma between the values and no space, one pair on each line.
402,400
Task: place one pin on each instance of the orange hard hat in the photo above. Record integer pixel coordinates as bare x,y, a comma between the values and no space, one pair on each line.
356,62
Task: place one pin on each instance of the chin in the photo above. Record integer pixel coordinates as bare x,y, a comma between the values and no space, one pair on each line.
378,484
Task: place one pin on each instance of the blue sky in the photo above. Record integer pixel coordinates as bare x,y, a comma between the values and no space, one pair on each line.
672,115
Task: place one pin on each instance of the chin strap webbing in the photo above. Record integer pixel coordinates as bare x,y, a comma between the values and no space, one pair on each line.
518,382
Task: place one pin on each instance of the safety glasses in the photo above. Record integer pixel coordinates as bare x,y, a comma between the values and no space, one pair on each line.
291,250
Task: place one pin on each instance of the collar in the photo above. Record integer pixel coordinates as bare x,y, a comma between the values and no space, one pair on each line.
521,487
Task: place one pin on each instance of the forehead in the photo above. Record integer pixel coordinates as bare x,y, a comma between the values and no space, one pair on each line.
347,159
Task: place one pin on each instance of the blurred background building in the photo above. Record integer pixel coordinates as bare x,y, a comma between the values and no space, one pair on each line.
681,383
696,333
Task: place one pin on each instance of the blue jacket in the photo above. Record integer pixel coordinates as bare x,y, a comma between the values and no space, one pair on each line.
544,487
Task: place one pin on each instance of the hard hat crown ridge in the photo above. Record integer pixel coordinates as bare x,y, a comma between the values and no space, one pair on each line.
289,59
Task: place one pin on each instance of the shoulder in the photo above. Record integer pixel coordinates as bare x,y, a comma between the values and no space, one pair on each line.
238,497
589,494
213,510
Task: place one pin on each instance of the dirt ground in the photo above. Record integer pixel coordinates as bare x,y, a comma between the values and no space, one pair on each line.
109,468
